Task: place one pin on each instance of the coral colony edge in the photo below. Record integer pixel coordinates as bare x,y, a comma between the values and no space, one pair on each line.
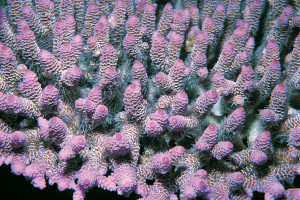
152,100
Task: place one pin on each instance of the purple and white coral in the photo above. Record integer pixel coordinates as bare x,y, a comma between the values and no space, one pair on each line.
167,100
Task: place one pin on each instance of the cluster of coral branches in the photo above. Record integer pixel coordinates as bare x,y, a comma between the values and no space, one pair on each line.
165,100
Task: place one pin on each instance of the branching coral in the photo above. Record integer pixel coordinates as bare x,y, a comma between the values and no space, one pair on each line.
177,100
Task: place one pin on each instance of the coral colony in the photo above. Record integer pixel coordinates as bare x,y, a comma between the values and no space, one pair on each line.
163,100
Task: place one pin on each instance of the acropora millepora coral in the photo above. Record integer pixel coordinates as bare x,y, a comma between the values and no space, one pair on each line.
168,100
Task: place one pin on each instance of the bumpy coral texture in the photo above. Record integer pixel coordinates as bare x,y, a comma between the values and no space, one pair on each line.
152,99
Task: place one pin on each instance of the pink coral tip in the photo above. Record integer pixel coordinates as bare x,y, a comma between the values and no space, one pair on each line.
275,65
280,88
176,123
18,139
248,71
66,154
176,152
160,76
258,157
267,115
101,113
235,180
220,8
157,37
78,143
212,94
240,32
161,163
120,144
222,149
133,21
202,146
218,76
153,128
